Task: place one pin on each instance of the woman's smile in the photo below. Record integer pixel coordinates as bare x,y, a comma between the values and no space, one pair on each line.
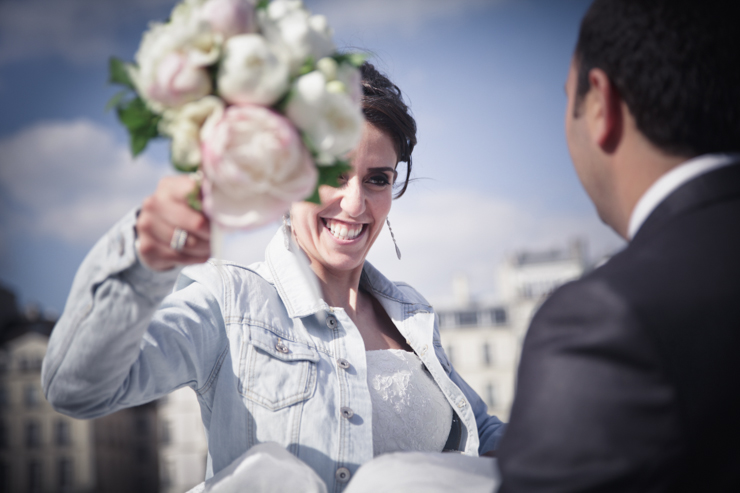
343,231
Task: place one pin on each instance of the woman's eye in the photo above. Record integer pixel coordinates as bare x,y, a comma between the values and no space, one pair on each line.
379,180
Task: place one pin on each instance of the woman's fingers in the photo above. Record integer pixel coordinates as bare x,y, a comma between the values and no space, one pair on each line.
161,215
159,257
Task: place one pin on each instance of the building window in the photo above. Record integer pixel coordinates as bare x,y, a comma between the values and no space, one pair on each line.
498,316
487,354
165,432
490,395
35,480
31,396
33,434
29,364
467,318
446,320
62,435
65,474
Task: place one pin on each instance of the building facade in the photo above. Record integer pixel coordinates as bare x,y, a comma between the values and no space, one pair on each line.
484,341
183,448
44,451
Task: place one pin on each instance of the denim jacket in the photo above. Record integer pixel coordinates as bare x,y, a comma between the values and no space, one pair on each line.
268,360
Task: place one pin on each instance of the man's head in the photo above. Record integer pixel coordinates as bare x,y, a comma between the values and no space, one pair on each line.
667,71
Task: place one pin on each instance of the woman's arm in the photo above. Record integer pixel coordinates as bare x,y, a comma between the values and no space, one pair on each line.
112,348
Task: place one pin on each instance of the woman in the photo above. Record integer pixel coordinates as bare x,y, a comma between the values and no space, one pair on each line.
335,380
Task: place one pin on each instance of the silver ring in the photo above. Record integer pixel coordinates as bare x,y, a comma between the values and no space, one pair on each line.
179,237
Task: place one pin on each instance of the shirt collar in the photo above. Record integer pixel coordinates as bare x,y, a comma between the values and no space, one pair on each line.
298,286
671,181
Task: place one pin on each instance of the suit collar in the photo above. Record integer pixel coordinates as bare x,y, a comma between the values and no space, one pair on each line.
714,186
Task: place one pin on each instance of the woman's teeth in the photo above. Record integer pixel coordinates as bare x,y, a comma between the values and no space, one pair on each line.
344,231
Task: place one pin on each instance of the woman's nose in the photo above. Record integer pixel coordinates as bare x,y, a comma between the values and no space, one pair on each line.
353,198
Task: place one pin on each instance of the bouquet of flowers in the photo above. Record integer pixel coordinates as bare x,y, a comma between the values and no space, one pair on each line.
254,97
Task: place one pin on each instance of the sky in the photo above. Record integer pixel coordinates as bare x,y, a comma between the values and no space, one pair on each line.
484,79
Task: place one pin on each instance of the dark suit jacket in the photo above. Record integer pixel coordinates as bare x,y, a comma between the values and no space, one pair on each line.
630,377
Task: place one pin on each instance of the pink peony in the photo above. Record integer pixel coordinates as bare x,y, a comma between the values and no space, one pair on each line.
229,17
254,164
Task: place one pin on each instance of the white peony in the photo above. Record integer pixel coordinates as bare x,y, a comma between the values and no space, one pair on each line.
255,165
250,72
326,113
298,34
184,125
229,17
172,60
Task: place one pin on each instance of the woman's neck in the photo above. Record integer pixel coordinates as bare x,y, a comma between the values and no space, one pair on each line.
340,289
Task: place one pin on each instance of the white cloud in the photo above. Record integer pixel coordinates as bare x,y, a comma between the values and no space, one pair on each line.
89,31
407,16
78,30
71,180
445,232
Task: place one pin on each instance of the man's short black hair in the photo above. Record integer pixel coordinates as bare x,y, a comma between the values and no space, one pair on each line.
675,63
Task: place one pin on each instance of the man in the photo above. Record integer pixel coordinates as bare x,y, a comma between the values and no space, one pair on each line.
630,377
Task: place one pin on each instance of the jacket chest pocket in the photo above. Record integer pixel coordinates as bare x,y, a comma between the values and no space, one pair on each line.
276,372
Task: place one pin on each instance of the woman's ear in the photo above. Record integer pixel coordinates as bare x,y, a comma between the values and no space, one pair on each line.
603,110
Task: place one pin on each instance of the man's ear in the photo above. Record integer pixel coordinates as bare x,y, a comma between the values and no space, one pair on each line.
603,111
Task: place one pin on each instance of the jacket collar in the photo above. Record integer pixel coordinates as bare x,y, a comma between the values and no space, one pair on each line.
299,288
715,186
295,281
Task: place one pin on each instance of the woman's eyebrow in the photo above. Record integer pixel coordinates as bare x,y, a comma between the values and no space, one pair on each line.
383,170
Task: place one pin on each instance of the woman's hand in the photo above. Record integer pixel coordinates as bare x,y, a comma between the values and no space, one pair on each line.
160,214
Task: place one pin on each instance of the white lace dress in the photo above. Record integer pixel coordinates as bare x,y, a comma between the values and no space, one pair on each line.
410,412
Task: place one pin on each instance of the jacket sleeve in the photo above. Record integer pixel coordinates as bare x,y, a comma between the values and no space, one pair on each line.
121,341
593,410
490,428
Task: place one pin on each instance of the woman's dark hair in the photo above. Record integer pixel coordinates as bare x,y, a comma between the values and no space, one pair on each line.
384,108
675,64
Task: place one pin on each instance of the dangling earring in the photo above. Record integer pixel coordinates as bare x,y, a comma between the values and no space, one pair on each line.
398,252
286,230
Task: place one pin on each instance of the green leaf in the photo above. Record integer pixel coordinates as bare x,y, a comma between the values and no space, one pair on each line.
262,4
309,144
282,104
194,200
118,74
329,175
314,198
308,66
141,122
185,168
354,59
116,100
138,143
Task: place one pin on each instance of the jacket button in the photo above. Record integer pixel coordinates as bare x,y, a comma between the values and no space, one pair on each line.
343,363
331,322
342,474
347,412
282,347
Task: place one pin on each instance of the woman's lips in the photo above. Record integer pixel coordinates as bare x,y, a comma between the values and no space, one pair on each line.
342,230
